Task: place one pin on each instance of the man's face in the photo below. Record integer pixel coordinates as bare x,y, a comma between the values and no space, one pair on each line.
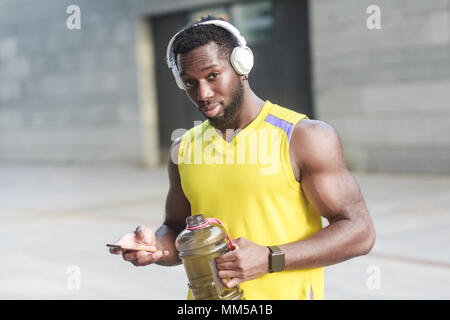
211,83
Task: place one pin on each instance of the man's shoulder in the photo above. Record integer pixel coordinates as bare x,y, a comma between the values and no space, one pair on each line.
314,139
308,128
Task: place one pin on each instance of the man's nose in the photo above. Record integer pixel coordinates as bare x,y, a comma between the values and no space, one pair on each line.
205,91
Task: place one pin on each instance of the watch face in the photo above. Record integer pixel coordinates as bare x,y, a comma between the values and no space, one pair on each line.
276,259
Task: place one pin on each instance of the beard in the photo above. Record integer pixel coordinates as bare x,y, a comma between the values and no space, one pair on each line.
231,109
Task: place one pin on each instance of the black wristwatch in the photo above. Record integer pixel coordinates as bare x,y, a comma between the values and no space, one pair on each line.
276,259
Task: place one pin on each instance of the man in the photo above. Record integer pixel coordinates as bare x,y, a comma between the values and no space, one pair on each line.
268,173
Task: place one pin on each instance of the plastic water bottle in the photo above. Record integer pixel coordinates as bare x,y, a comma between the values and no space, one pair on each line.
198,245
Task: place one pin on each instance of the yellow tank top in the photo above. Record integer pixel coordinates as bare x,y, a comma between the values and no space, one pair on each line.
249,185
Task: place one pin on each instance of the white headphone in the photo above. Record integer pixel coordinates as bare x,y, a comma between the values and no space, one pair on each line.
241,57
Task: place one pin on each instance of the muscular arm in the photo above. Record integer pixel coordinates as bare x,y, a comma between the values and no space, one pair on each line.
177,210
334,193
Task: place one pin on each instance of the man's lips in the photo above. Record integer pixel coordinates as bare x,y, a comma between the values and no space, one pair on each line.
211,112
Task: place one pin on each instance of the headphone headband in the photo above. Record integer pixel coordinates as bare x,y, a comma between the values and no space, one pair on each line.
220,23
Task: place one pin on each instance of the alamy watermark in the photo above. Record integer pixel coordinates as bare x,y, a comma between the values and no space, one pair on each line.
374,20
74,279
206,146
73,22
374,280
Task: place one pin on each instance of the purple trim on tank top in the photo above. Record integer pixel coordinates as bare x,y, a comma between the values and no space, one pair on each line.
310,294
280,123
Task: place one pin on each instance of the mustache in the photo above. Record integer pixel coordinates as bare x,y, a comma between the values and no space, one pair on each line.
202,105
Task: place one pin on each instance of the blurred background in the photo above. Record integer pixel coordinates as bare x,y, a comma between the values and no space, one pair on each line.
88,110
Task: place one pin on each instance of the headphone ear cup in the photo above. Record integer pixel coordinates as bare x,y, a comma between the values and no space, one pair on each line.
176,75
242,60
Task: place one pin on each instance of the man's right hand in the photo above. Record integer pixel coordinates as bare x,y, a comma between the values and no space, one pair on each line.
142,236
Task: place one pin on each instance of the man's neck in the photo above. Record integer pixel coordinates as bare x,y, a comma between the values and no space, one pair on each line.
249,110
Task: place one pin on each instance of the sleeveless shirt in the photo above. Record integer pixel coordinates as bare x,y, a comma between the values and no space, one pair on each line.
249,185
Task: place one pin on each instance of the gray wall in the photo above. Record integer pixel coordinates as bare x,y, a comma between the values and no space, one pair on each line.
75,96
72,96
386,91
67,96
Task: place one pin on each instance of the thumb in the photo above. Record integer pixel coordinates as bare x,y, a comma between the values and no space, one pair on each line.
238,242
145,235
234,245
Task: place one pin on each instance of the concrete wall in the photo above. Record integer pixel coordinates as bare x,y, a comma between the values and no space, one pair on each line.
76,96
386,91
68,96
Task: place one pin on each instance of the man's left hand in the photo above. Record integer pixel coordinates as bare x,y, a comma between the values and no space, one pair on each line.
248,262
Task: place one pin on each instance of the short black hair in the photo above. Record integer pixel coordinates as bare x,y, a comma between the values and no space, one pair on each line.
194,36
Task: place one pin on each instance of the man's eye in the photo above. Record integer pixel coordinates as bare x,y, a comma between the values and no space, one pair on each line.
188,83
213,75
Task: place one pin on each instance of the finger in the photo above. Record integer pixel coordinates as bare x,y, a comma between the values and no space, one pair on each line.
115,251
224,274
141,256
235,246
144,258
157,255
231,283
145,234
238,241
227,257
129,255
226,265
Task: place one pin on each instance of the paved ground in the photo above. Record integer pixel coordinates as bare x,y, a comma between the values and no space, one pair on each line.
54,223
